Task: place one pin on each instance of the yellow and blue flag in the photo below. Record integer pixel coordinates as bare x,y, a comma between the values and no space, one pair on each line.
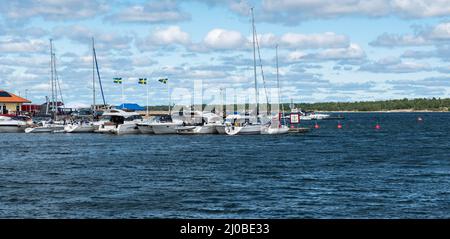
142,81
163,80
117,80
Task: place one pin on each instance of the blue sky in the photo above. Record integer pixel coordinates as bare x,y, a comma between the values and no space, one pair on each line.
348,50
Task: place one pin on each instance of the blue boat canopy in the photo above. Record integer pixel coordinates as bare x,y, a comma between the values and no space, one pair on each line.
129,106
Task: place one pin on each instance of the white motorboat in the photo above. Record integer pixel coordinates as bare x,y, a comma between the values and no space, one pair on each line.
201,123
166,124
242,125
14,124
80,127
146,127
119,122
45,127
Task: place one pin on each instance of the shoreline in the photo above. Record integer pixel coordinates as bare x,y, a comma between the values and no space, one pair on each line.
386,111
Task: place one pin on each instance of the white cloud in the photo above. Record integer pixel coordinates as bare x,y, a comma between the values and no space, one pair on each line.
352,52
103,40
395,65
22,46
222,39
172,35
312,41
395,40
295,11
441,31
52,9
152,12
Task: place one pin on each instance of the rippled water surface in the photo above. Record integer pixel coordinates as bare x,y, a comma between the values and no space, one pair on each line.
400,171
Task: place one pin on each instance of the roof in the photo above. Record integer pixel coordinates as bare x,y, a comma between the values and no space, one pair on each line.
6,97
128,106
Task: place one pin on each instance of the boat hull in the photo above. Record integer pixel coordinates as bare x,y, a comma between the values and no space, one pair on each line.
146,129
244,130
12,129
165,129
79,128
205,129
44,129
281,130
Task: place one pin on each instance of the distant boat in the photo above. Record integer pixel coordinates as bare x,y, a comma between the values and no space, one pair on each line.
51,125
119,122
206,125
89,127
14,124
80,127
275,126
246,124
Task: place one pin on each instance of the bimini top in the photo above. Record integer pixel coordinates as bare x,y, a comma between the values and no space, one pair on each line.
135,107
6,97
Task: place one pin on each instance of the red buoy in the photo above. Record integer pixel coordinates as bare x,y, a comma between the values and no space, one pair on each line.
316,126
339,126
377,126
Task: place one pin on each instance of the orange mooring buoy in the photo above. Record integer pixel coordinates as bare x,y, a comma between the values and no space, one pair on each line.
377,126
316,126
339,126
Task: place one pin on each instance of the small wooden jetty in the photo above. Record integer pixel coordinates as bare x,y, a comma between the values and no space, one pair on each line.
298,130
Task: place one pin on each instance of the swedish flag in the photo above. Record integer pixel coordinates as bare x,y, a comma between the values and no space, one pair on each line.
163,80
117,80
143,81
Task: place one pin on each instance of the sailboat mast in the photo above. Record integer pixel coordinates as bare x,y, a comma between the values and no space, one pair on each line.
93,79
51,79
254,63
98,73
278,81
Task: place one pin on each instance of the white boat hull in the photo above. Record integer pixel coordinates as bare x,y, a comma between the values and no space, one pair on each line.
44,129
205,129
244,130
165,128
12,128
281,130
79,128
220,129
146,129
119,129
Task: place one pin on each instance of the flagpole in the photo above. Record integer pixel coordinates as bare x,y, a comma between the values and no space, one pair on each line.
123,98
146,83
170,97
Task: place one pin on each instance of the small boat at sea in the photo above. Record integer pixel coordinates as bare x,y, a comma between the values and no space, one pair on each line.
275,126
80,127
167,124
119,122
241,125
45,127
200,123
14,124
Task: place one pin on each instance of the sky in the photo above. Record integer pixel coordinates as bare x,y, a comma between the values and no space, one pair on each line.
329,50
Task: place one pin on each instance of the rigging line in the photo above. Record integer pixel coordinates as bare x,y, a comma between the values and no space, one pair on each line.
262,71
57,81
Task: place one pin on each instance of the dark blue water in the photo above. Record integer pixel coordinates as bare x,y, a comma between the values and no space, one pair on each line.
400,171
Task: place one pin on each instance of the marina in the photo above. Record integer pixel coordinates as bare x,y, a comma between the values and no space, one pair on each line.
235,109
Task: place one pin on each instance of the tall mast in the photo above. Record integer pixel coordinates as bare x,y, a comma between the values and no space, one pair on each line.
98,74
278,86
93,79
51,79
254,63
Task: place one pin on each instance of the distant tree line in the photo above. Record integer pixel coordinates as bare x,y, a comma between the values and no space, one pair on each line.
433,104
